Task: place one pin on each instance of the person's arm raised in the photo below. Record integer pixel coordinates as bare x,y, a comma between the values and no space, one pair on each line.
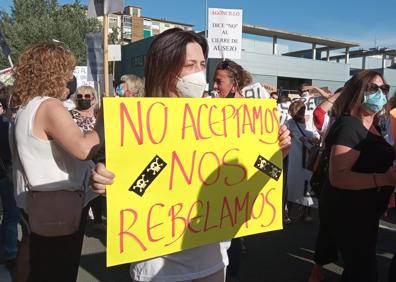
327,104
54,120
322,92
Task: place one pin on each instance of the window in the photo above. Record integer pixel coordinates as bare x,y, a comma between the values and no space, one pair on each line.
127,34
147,24
136,12
147,33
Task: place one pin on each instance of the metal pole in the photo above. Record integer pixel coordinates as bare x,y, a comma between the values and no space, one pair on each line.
105,54
206,36
274,45
10,61
206,18
314,51
347,55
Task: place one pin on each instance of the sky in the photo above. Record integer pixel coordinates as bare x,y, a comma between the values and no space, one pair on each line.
370,23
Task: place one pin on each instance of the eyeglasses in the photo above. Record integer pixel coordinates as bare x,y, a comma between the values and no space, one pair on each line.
372,88
83,96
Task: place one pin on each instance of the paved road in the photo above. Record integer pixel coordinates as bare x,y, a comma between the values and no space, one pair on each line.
281,256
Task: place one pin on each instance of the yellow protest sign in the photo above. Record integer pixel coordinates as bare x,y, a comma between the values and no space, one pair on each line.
189,172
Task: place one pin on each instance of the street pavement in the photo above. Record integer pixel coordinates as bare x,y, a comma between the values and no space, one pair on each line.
280,256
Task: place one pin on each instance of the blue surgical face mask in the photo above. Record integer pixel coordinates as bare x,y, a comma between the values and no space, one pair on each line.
120,90
374,102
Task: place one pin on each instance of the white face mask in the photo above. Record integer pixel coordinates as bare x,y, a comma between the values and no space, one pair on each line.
192,85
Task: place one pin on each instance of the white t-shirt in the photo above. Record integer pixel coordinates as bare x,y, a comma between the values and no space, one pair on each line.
188,264
193,263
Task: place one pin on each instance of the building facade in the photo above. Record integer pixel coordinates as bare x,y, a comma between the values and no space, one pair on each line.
131,26
272,63
268,62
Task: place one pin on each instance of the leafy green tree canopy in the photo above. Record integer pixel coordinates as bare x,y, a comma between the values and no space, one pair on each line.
32,21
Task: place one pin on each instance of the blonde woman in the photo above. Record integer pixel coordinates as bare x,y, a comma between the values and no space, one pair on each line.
84,116
130,86
86,104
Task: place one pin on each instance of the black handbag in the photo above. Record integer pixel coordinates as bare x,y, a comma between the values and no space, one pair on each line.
314,156
320,175
311,156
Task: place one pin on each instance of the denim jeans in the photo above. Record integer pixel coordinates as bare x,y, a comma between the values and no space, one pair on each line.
8,230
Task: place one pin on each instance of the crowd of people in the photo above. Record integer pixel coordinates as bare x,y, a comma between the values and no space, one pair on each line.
51,156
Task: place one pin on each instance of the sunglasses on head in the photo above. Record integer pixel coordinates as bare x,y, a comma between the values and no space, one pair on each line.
85,96
372,88
224,64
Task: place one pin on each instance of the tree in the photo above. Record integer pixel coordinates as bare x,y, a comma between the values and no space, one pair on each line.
113,36
32,21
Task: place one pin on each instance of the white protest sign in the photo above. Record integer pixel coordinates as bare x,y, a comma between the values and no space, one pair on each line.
94,43
97,8
311,102
255,90
114,52
283,111
81,74
225,33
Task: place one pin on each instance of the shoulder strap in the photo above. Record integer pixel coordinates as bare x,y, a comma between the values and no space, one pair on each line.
299,128
15,151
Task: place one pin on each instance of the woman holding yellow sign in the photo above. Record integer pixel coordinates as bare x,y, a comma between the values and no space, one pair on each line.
175,67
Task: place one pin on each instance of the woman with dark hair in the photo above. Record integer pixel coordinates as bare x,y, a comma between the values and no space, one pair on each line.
48,156
324,116
230,79
361,176
175,67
